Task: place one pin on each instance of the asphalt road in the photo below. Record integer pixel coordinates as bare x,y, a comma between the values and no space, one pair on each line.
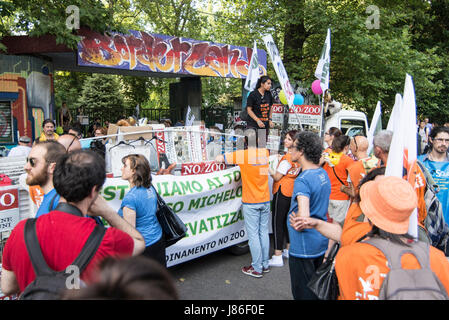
218,276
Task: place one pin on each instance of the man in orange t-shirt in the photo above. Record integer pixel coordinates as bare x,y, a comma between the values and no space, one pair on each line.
360,267
254,164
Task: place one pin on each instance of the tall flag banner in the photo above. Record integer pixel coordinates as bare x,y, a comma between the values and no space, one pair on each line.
253,71
376,126
323,67
281,73
394,117
403,148
190,117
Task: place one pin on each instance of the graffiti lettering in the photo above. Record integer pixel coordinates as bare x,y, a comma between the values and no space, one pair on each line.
157,53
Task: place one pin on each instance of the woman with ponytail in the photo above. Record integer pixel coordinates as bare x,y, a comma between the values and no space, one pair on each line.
259,104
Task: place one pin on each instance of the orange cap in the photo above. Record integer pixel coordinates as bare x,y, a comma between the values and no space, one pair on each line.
388,203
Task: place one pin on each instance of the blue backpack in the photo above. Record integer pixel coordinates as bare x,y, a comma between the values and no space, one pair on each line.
436,226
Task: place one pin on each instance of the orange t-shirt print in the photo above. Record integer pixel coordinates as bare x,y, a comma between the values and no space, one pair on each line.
36,195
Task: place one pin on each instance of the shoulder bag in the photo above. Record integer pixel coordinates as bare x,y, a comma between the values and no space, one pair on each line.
324,282
173,228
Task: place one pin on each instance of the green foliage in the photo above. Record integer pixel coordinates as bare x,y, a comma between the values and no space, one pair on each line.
40,17
68,88
101,95
367,65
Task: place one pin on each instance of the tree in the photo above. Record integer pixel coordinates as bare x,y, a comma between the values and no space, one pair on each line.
101,97
40,17
68,88
174,17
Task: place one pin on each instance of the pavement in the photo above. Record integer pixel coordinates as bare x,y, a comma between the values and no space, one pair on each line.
218,276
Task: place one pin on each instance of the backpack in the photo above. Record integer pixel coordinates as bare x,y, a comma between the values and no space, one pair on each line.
408,284
436,226
50,284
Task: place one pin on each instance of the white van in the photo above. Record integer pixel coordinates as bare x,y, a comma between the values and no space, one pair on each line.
350,122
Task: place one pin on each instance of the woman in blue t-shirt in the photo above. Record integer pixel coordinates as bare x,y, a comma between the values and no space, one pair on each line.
140,204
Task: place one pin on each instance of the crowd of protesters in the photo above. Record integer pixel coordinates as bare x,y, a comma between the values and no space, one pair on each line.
326,190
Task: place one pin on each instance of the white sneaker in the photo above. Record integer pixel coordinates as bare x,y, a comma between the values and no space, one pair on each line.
276,261
285,253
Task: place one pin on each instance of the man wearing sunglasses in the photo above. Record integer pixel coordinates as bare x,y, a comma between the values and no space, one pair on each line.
437,162
39,167
62,233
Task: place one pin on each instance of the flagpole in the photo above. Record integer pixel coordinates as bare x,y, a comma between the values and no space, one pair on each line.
321,102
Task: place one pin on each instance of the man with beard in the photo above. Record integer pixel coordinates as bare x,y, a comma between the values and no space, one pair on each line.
437,162
48,132
39,167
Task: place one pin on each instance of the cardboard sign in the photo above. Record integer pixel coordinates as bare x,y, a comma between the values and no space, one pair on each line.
308,114
9,208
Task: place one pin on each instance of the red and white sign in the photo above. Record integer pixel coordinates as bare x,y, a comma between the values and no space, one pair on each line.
309,114
160,145
9,208
201,168
9,198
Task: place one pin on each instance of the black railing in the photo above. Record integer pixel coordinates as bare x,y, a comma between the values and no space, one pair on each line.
114,115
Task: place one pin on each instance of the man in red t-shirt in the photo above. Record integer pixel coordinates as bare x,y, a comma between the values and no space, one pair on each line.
78,178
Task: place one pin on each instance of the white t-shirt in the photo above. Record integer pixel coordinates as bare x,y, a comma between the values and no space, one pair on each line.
19,151
283,167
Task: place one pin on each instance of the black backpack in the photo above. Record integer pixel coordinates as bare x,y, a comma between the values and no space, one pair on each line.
50,284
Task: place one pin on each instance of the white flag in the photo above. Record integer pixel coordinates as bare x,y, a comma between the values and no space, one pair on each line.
323,67
376,125
403,148
394,117
281,73
190,117
253,71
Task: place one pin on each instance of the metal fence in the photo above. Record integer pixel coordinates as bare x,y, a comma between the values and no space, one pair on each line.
113,115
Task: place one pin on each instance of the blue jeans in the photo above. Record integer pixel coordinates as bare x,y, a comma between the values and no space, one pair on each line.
256,224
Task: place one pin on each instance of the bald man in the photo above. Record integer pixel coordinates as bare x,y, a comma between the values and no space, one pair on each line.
70,142
363,165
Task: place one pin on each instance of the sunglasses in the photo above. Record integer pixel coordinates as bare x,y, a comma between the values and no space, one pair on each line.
355,141
32,161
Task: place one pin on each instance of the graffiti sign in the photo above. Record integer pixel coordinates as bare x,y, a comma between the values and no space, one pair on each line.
144,51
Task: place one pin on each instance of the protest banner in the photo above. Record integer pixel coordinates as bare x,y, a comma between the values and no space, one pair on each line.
190,117
322,72
184,144
323,67
309,114
280,72
253,71
209,205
